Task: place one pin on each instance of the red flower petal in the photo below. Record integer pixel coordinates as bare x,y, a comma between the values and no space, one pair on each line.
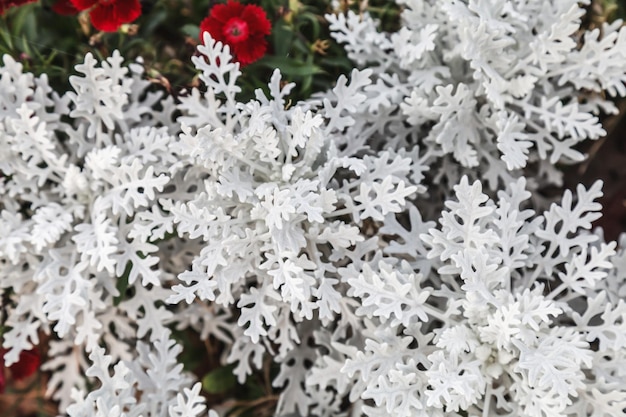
6,4
248,52
64,8
224,12
257,20
215,28
83,4
109,17
128,10
26,365
208,25
104,18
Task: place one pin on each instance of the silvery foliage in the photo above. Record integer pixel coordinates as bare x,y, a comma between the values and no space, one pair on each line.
274,230
76,171
486,88
494,310
111,210
277,209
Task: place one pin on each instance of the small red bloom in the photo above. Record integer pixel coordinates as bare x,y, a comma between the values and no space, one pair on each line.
242,27
26,365
64,7
5,4
109,15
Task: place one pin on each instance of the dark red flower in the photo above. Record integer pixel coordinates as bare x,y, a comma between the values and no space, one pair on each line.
109,15
26,365
64,7
5,4
242,27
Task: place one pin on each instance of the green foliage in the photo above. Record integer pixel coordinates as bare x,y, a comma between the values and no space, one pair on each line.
167,33
122,285
166,36
300,46
219,380
614,9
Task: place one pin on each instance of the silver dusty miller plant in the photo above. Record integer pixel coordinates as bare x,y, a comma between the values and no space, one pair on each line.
486,88
494,311
245,208
297,234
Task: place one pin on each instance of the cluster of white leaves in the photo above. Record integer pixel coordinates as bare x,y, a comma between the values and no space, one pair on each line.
76,171
151,384
516,315
111,210
276,208
295,234
497,86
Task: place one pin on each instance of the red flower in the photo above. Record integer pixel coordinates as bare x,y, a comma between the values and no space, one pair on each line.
5,4
109,15
242,27
64,7
26,365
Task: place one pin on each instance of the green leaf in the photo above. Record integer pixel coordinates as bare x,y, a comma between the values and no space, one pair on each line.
122,284
282,37
337,62
291,67
6,36
18,18
191,30
219,380
156,19
26,46
313,21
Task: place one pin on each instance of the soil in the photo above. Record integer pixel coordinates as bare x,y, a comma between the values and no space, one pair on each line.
607,162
